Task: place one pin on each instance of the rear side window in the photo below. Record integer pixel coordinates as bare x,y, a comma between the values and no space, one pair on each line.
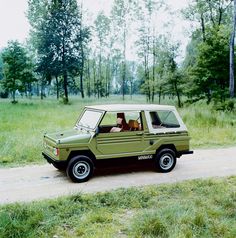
164,119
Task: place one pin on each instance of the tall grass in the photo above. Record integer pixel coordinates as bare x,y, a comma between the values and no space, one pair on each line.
22,125
209,128
199,208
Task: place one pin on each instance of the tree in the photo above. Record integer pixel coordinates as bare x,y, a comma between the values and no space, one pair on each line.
3,92
208,79
60,40
17,69
231,74
147,44
207,62
102,27
208,14
1,67
122,16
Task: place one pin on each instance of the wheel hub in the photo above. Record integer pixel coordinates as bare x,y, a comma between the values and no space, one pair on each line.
166,161
81,170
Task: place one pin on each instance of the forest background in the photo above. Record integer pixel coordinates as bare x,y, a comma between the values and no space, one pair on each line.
126,50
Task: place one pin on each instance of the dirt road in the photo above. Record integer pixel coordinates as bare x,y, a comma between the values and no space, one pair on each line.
39,182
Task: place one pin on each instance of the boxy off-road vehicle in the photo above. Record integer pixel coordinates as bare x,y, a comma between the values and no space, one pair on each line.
121,133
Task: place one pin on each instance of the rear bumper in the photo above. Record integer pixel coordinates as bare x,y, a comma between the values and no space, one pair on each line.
185,152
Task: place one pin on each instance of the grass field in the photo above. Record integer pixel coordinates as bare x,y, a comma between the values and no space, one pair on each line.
199,208
22,125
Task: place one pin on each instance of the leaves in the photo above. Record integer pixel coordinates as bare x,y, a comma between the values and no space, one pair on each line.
17,68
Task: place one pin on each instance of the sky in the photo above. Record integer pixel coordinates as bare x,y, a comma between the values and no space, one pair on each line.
14,24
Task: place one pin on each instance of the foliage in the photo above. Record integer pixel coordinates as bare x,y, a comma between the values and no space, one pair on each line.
207,78
122,15
126,51
61,39
208,14
228,105
232,54
3,92
207,63
17,68
105,44
199,208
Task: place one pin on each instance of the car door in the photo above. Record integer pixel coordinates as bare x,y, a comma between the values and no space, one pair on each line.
129,142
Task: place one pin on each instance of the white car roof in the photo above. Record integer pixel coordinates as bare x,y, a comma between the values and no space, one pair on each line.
131,107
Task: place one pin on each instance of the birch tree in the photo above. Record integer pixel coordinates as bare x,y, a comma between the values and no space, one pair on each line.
231,74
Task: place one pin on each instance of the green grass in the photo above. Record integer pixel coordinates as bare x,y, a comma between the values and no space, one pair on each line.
199,208
22,125
209,128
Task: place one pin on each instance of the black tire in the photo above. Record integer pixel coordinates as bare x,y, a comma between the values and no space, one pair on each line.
80,169
165,160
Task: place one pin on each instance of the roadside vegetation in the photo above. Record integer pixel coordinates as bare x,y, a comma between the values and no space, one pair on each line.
198,208
23,125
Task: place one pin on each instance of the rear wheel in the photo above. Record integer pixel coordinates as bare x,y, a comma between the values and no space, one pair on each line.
80,169
165,160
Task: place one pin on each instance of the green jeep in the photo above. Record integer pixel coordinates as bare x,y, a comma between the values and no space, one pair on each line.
121,134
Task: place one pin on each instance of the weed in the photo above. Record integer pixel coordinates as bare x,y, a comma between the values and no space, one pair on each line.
199,208
149,224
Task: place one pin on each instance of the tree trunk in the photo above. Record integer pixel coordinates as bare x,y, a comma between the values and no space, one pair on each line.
65,79
82,72
124,64
89,79
123,79
66,100
57,85
14,96
42,89
153,66
94,79
160,91
81,84
231,73
203,28
177,93
99,82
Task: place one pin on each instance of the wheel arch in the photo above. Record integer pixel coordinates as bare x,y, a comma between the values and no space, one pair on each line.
87,153
167,146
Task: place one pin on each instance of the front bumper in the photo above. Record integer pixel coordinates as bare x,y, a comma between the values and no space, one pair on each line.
49,159
61,165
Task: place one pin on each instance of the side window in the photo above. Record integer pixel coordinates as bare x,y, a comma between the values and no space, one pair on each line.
109,119
121,122
134,121
164,119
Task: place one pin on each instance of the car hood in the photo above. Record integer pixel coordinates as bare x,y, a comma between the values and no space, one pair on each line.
70,136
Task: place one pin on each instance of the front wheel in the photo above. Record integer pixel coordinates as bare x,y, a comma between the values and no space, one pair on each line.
80,169
165,160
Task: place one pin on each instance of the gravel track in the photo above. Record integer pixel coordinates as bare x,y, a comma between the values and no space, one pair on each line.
38,182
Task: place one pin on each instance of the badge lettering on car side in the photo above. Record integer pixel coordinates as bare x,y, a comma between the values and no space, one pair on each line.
144,157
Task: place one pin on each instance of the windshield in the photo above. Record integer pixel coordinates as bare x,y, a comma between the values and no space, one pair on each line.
89,119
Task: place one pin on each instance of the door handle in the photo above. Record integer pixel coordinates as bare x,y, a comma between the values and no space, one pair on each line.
139,133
